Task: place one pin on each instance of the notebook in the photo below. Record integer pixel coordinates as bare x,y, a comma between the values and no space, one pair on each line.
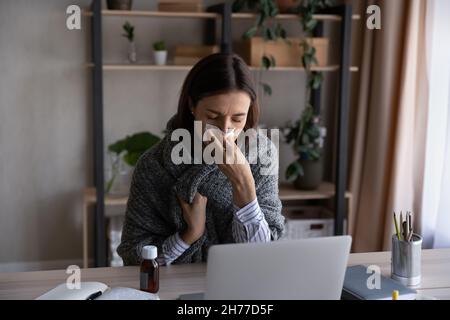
355,286
96,291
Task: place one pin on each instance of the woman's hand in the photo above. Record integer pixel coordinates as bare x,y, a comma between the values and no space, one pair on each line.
195,216
237,170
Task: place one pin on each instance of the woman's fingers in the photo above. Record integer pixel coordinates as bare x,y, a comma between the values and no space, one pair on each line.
184,204
199,199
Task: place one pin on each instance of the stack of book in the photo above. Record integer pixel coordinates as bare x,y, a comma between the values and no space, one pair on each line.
186,55
180,5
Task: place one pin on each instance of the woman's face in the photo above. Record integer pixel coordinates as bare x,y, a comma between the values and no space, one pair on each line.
225,111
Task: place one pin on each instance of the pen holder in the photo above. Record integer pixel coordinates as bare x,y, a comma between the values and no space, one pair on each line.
406,260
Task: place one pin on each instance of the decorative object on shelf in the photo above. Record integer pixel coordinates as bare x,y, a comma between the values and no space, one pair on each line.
286,53
129,34
186,55
180,5
307,138
119,4
124,155
160,53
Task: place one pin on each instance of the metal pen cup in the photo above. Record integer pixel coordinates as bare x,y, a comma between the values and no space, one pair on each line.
406,260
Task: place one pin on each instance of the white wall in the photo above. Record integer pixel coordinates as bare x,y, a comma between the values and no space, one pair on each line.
45,118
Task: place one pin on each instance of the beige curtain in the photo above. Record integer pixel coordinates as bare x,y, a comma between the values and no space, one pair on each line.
388,114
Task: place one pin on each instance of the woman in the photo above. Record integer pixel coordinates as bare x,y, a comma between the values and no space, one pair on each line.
185,208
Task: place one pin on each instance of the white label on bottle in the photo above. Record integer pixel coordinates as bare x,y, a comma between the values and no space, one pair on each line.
144,281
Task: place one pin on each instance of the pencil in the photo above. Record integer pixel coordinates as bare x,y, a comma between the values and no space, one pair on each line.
396,227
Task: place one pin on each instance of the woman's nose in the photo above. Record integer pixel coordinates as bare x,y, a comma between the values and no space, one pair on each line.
225,125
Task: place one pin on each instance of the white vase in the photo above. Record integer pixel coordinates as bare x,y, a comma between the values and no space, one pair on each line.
160,57
132,56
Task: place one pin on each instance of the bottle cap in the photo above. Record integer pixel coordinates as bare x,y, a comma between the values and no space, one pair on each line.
149,252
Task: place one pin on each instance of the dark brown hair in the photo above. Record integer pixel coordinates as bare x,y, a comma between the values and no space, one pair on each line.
215,74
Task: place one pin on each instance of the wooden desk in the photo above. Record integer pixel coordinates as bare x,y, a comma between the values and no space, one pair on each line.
180,279
287,193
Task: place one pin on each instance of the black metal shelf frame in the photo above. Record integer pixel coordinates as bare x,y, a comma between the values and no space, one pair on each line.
224,9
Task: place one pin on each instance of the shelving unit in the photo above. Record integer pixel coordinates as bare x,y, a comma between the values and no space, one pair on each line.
341,14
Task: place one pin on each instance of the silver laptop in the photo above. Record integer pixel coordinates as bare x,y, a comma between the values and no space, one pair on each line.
288,269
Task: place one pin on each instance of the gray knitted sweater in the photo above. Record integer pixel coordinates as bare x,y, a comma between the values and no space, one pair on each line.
153,212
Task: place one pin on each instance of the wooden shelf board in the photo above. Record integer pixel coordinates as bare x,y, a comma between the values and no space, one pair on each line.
325,191
156,14
321,17
151,67
286,193
208,15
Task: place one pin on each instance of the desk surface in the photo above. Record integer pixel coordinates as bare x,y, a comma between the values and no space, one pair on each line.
179,279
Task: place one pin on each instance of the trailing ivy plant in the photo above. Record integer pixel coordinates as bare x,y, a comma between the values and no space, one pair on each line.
264,25
270,30
302,132
306,135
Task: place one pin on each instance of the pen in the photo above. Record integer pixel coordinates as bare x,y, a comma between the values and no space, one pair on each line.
94,295
410,227
405,231
401,224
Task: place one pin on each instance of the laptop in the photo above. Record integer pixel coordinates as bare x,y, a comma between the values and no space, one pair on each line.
287,269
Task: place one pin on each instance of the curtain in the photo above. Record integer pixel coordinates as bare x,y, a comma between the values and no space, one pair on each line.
435,219
389,116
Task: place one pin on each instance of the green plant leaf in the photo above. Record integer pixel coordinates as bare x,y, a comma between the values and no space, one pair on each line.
141,141
266,62
311,25
118,146
159,46
272,61
267,89
134,146
132,158
293,171
250,32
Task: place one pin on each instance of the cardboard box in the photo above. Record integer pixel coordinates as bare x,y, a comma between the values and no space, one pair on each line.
191,54
285,54
195,50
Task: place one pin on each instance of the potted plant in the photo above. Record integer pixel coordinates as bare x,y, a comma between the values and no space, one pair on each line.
307,137
124,155
129,34
160,53
119,4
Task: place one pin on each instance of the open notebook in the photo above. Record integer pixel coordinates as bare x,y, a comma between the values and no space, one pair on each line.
96,291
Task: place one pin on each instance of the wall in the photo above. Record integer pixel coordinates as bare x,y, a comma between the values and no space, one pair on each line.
45,118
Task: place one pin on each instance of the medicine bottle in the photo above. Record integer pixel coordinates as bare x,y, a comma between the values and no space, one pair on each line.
149,274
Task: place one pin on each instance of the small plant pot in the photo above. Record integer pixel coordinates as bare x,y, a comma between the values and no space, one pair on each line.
160,57
313,172
284,6
119,4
